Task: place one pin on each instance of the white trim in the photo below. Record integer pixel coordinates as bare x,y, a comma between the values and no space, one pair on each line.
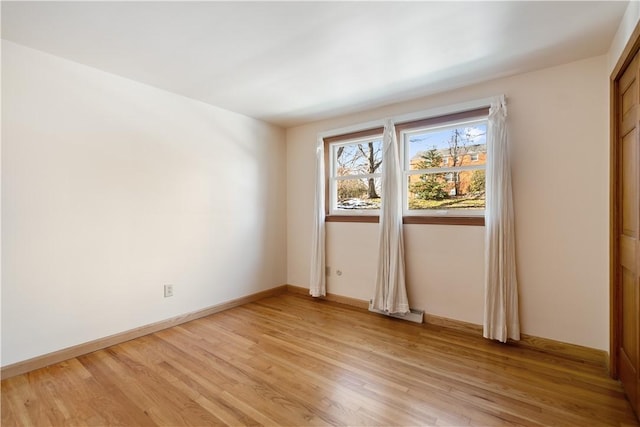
356,212
449,109
444,170
445,212
451,124
419,115
358,176
354,141
404,143
333,179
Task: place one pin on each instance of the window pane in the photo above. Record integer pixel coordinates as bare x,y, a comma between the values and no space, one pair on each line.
465,145
359,193
360,158
451,190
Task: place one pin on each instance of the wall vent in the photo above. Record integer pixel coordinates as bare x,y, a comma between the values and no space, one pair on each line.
413,315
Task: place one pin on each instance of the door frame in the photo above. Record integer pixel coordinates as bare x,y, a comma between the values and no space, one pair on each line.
615,310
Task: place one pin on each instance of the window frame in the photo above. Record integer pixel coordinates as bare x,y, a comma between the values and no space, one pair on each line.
332,214
448,171
409,217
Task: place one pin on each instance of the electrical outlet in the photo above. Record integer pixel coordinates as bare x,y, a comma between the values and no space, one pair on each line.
168,291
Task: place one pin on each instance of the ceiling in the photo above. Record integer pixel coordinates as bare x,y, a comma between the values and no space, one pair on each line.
294,62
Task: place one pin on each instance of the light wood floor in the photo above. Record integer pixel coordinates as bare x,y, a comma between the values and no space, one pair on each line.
292,361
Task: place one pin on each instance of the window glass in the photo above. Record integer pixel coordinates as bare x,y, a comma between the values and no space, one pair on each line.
457,183
359,193
355,181
443,160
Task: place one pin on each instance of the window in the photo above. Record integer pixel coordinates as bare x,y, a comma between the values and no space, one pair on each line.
434,187
444,161
355,174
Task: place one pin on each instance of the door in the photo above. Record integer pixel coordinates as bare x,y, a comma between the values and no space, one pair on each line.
627,230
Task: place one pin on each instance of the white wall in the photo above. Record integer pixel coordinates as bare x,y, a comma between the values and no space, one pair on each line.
111,189
625,29
558,123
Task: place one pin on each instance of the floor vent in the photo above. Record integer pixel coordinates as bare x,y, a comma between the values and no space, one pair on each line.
415,316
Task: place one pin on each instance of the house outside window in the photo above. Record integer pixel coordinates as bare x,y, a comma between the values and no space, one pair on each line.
456,187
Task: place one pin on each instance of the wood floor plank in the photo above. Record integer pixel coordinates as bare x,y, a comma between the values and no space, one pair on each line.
449,367
577,386
290,360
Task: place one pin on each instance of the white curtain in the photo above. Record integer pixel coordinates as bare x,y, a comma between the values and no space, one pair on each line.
501,319
317,287
391,294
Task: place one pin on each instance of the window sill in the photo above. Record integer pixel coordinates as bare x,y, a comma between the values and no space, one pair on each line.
352,218
444,220
439,220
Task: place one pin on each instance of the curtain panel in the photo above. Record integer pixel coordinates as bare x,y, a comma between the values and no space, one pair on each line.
317,281
501,318
390,293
